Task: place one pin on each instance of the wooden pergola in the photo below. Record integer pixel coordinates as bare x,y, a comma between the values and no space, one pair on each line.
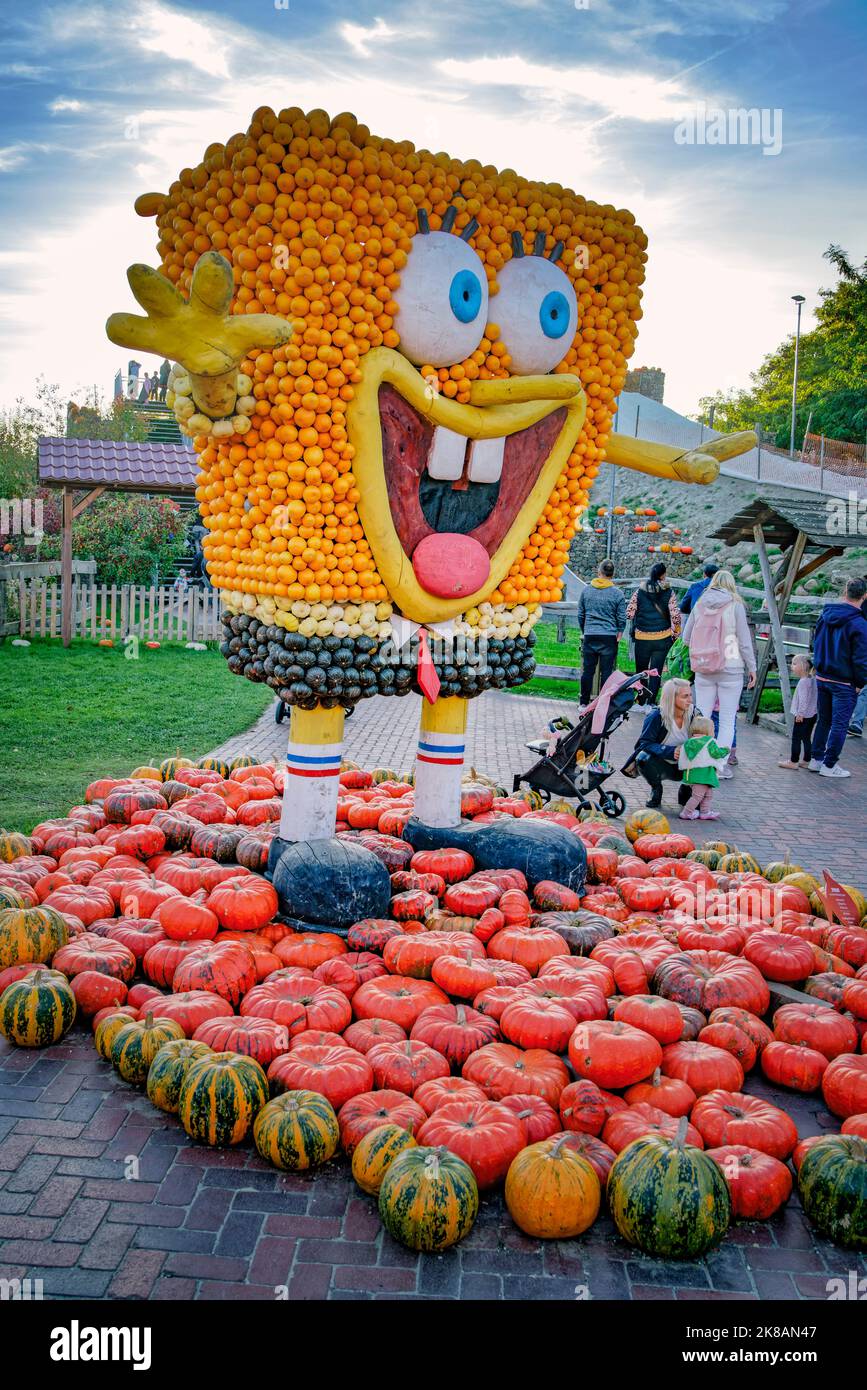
95,466
809,533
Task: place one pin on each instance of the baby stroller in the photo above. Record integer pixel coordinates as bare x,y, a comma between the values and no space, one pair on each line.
578,766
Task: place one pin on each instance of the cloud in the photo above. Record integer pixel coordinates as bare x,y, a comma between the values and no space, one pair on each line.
28,70
158,29
66,104
12,157
635,95
360,39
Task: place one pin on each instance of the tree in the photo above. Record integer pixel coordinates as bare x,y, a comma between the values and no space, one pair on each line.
832,370
132,539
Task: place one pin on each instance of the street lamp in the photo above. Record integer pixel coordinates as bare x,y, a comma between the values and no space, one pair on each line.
799,300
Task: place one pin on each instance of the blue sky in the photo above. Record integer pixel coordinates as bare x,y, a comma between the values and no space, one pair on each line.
102,101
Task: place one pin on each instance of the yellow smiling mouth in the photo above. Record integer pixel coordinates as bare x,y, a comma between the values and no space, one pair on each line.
498,410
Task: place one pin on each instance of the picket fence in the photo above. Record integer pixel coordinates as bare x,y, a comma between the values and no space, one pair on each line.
114,611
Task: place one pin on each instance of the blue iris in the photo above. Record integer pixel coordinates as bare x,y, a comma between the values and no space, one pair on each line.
465,296
554,314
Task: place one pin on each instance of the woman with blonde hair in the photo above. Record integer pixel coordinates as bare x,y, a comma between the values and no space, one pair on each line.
663,733
721,654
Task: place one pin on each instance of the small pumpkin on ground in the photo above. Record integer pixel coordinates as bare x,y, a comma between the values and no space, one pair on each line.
648,822
832,1182
551,1191
168,1069
297,1131
136,1044
428,1199
37,1010
220,1097
107,1030
375,1154
669,1199
758,1183
30,934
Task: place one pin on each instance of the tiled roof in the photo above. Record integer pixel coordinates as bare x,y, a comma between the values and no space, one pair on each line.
782,518
150,467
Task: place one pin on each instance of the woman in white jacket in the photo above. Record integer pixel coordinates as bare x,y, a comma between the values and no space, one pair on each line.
739,663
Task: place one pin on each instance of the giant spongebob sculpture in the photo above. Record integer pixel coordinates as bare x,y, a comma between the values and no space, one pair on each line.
400,371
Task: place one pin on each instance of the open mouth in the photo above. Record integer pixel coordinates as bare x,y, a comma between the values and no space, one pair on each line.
450,491
454,499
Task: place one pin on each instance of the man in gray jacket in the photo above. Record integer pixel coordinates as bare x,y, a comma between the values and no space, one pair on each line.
602,620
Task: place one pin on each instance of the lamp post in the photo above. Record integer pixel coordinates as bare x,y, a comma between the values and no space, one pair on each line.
799,300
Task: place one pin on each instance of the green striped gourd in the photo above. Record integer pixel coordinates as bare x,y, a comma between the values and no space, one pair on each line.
668,1198
297,1130
37,1010
428,1199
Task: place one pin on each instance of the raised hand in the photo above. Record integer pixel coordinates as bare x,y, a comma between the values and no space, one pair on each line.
200,333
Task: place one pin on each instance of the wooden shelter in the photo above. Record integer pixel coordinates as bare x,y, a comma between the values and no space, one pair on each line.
809,532
95,466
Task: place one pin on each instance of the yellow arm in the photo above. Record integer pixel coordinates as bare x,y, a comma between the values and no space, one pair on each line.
200,333
686,466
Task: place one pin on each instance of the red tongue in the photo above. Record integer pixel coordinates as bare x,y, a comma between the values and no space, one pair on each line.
450,565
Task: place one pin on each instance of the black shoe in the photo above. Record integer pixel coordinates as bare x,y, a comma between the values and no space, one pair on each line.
854,732
655,801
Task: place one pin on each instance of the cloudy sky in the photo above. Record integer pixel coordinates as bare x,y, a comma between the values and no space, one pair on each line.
103,101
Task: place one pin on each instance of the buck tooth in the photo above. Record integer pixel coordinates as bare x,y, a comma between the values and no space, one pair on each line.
446,458
486,460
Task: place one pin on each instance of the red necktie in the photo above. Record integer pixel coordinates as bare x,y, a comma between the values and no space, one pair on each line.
428,680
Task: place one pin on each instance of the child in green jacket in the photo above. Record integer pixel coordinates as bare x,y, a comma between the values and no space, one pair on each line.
700,758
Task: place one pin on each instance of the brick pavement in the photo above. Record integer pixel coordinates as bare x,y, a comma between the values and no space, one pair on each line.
102,1196
764,809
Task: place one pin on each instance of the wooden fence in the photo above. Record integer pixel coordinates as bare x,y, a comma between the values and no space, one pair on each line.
158,613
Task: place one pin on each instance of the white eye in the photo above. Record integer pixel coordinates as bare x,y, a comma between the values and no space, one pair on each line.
442,300
537,313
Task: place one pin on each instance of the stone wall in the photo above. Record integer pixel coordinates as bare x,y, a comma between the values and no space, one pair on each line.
629,551
647,381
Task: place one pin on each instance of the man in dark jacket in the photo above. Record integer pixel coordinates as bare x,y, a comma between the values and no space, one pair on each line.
602,619
840,659
695,591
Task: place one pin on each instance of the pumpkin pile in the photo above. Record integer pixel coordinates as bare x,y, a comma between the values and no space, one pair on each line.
573,1049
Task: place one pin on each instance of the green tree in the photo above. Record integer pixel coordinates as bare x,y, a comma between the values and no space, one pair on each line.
832,370
132,538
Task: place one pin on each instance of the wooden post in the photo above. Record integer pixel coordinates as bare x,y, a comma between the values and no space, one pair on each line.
66,568
776,614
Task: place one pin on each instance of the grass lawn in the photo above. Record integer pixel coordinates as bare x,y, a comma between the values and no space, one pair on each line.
549,652
67,717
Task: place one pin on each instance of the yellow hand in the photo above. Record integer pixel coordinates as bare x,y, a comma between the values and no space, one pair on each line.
200,333
699,465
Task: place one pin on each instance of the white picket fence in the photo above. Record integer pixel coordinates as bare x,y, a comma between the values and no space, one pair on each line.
99,611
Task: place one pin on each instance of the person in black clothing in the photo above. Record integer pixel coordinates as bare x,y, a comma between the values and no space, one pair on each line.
695,591
165,369
840,659
663,732
655,619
